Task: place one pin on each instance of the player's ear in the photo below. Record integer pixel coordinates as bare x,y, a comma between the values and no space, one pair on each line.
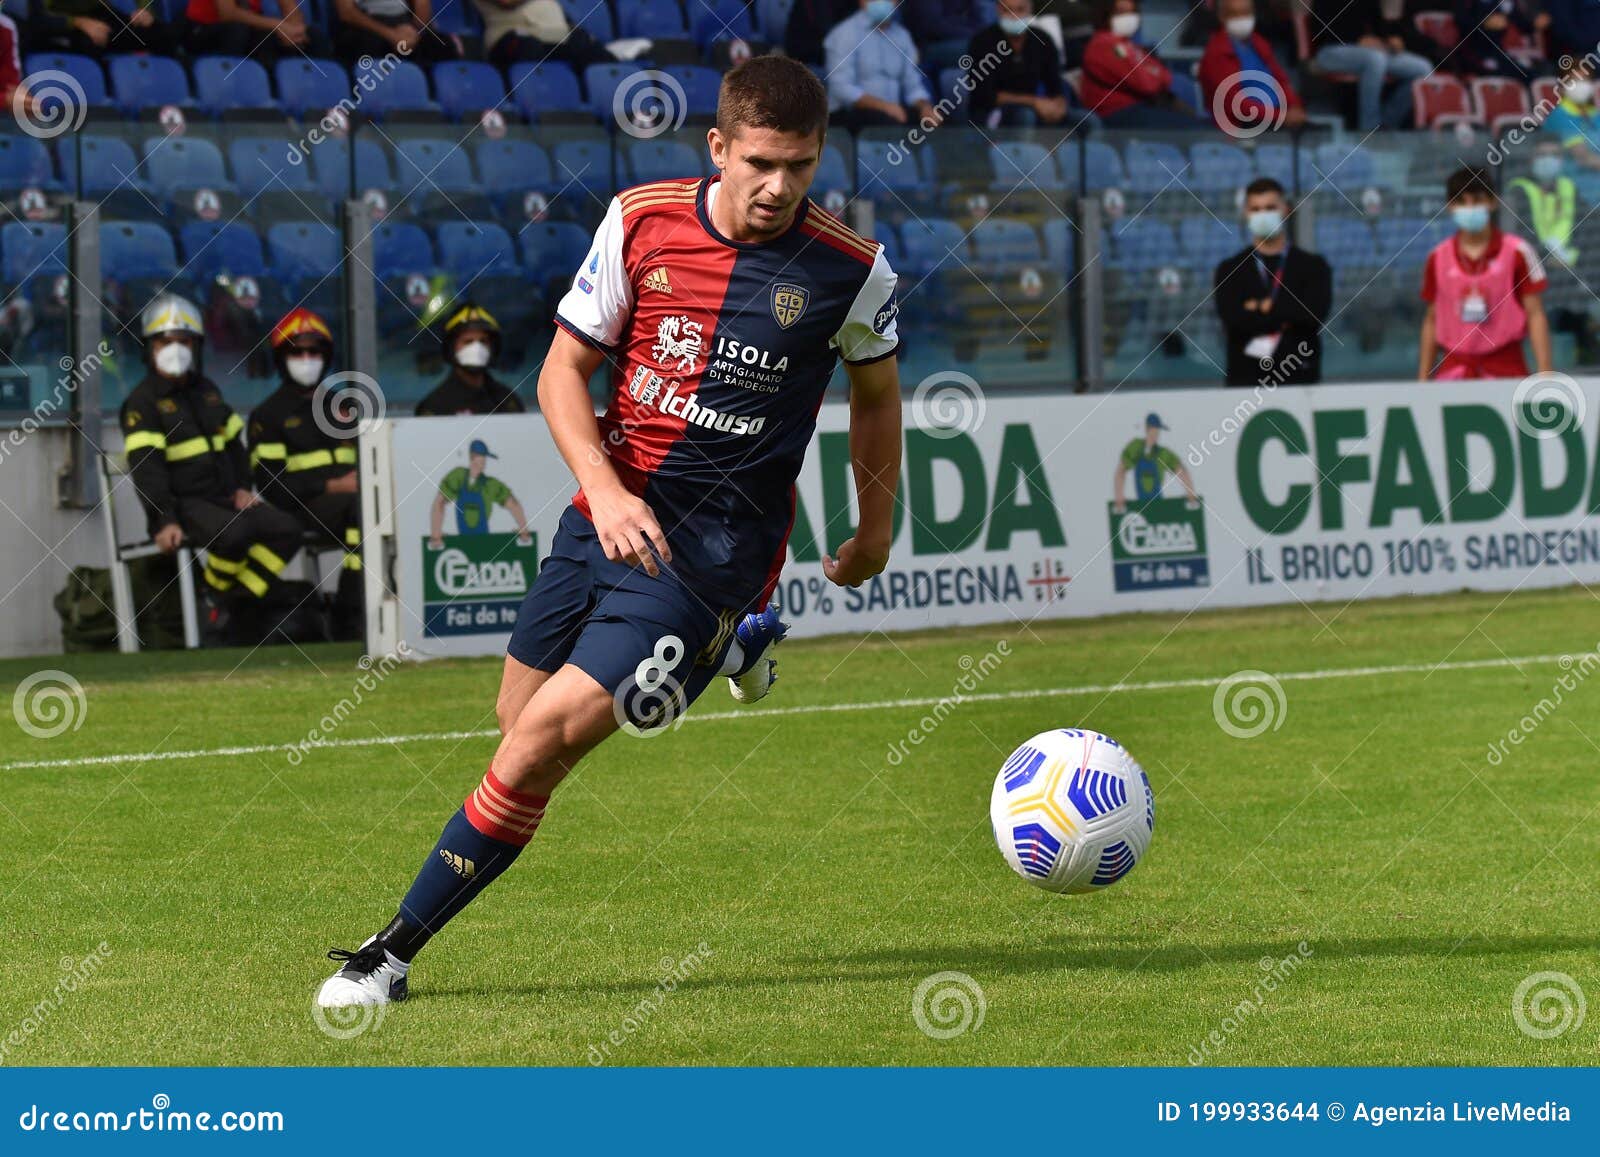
718,146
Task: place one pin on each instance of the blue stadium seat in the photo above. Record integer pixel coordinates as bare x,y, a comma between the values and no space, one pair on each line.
137,249
84,70
262,164
467,87
422,166
1060,244
308,84
884,234
1277,162
1154,166
148,81
513,165
25,162
476,249
586,163
886,164
228,83
998,241
1025,165
539,89
455,18
1349,242
713,20
404,88
213,247
303,249
399,249
660,160
653,19
700,87
1205,241
594,16
1345,166
1215,167
1142,243
332,162
601,82
772,19
1103,166
554,248
184,163
932,243
108,163
30,249
832,172
1406,240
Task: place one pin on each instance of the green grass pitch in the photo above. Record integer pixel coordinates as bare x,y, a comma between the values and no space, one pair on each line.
772,888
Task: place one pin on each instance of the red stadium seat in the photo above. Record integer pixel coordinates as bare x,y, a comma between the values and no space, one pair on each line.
1440,101
1546,92
1497,97
1440,27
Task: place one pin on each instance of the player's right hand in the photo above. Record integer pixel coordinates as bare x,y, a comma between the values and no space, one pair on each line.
628,529
169,538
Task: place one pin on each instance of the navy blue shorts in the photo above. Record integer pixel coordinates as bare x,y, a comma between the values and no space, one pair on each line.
652,643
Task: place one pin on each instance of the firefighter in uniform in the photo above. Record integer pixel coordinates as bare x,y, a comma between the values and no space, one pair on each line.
470,344
303,454
187,459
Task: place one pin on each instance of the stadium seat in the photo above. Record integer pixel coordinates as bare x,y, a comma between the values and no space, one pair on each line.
30,249
932,243
331,160
998,242
1439,27
772,19
1154,166
1102,166
225,84
1139,244
713,20
262,164
1500,97
1216,167
653,19
1350,241
700,87
403,89
467,87
513,165
586,163
131,250
1024,164
422,165
474,249
593,16
832,172
1440,100
1277,162
147,82
85,70
108,163
184,163
1546,91
213,247
660,160
306,84
885,235
601,81
304,249
1205,241
400,248
1060,244
1405,241
24,163
554,249
1346,166
548,92
886,164
455,18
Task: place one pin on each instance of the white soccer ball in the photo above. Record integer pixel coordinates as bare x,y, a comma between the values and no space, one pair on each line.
1072,811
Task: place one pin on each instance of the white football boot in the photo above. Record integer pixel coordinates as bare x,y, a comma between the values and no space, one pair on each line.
368,977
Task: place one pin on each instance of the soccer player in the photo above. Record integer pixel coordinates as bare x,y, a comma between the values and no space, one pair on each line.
722,305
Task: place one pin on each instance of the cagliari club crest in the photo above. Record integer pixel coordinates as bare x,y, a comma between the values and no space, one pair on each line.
789,302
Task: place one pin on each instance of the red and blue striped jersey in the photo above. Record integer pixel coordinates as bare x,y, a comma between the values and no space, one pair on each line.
721,352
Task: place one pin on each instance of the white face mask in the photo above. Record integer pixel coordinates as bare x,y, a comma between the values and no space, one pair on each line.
1125,24
474,355
305,370
1240,27
1580,90
174,360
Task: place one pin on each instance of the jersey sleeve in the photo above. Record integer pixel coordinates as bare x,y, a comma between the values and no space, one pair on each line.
1528,270
870,332
495,492
596,308
1132,451
450,484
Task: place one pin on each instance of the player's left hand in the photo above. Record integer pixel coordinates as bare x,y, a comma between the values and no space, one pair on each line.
856,563
244,499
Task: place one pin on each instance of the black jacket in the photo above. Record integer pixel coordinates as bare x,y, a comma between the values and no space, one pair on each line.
1035,71
454,396
181,440
1298,310
292,454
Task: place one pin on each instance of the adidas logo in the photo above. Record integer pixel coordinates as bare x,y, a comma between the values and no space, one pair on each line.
657,279
462,866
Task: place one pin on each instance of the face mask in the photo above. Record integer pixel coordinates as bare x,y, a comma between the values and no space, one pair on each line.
1546,168
1265,223
1581,91
879,11
1125,25
1014,25
304,371
1240,27
174,360
474,355
1471,218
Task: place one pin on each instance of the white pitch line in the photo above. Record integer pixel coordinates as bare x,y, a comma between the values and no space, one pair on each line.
808,709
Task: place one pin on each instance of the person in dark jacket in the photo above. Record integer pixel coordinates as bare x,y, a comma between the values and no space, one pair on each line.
1574,26
1482,48
810,21
470,343
187,459
1024,88
303,454
1272,298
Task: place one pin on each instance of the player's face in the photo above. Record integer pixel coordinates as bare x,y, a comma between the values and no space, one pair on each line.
765,175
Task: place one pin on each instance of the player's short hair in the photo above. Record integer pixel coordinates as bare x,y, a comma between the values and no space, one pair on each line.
1264,185
772,92
1471,181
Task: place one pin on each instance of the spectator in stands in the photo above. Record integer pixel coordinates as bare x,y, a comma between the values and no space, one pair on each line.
874,77
1551,201
1483,25
10,60
241,28
1482,287
1024,86
1397,26
535,30
1350,39
1124,84
1273,299
470,342
1243,84
1575,124
376,28
96,27
809,23
1574,26
942,28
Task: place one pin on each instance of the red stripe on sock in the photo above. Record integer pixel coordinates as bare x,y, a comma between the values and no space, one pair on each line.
504,814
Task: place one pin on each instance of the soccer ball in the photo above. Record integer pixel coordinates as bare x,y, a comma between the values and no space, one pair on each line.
1072,811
